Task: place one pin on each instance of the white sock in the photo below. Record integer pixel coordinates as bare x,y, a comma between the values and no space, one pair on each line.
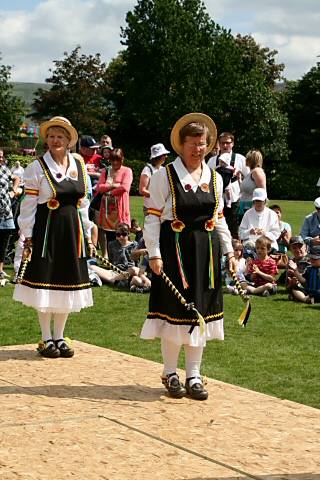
44,321
193,357
170,354
59,320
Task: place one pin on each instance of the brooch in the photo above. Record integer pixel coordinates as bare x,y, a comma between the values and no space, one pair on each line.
59,175
187,187
204,187
73,174
53,204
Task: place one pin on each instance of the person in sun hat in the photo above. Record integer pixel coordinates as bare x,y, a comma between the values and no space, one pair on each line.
185,235
158,155
310,230
259,220
56,229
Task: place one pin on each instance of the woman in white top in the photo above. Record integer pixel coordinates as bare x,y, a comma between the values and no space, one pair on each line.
185,234
158,156
255,179
57,237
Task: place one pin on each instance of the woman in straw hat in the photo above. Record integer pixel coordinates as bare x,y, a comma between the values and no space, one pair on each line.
185,234
54,223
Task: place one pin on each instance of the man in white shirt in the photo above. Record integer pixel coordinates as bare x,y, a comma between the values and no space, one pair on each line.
238,161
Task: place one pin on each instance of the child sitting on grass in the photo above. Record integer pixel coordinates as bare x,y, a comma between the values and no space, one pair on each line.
310,280
240,269
262,270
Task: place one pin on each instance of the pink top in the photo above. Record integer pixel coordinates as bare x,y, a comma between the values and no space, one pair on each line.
120,194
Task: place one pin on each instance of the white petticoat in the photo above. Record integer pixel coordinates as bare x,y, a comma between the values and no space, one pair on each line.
57,301
179,334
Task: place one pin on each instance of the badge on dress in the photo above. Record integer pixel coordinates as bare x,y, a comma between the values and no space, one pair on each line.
205,187
73,174
187,187
59,175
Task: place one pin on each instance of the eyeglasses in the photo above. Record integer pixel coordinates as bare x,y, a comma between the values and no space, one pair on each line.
201,146
225,143
123,234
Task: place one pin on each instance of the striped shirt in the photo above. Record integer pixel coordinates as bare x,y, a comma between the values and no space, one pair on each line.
268,266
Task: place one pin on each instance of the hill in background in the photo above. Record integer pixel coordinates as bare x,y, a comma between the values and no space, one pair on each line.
26,91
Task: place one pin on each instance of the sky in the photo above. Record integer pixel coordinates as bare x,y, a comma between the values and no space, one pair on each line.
34,33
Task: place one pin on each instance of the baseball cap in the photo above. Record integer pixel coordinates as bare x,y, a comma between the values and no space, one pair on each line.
317,202
88,142
157,150
259,194
296,239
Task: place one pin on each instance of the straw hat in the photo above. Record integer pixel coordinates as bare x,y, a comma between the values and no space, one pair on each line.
193,118
61,122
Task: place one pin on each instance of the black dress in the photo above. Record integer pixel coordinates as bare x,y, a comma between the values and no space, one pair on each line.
195,210
58,260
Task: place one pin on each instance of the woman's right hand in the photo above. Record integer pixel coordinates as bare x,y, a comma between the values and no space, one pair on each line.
156,265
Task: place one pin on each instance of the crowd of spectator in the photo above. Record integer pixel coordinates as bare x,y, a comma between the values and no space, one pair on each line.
266,251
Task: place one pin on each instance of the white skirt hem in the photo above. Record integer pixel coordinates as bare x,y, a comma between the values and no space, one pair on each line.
53,301
179,334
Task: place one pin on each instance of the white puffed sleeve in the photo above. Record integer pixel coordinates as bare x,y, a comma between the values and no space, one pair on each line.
159,194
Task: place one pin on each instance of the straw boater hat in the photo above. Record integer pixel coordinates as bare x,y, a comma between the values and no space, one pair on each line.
192,118
61,122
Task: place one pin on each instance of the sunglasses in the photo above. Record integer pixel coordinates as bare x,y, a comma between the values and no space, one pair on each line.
122,234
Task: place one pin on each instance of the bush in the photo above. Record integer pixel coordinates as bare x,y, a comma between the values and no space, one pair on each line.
137,167
293,182
23,159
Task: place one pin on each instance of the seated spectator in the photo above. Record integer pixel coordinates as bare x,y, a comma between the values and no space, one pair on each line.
285,229
310,230
136,229
120,251
259,220
309,279
262,270
299,261
140,256
240,270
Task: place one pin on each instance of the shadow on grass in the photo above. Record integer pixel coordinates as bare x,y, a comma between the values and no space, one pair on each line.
138,393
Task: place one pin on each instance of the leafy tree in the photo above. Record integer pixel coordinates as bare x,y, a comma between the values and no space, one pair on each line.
77,92
177,60
12,108
302,103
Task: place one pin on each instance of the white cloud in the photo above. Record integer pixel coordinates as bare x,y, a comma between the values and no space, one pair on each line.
31,39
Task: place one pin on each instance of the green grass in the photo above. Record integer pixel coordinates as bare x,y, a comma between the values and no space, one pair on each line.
277,353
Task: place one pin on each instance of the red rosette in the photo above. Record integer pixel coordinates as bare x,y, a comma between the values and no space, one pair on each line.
209,225
187,187
53,204
177,226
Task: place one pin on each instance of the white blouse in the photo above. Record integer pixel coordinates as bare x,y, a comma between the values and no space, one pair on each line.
35,179
161,200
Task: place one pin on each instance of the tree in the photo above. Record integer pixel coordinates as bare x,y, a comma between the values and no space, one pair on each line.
77,93
177,60
12,108
302,103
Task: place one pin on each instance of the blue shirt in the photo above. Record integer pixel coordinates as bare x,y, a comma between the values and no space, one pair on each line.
310,227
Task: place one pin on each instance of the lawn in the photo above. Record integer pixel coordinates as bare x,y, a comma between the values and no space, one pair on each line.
277,353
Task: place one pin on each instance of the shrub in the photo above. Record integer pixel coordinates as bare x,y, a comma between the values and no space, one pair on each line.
23,159
293,182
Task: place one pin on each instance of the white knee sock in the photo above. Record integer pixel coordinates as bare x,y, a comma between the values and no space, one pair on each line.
59,320
193,361
44,321
170,354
